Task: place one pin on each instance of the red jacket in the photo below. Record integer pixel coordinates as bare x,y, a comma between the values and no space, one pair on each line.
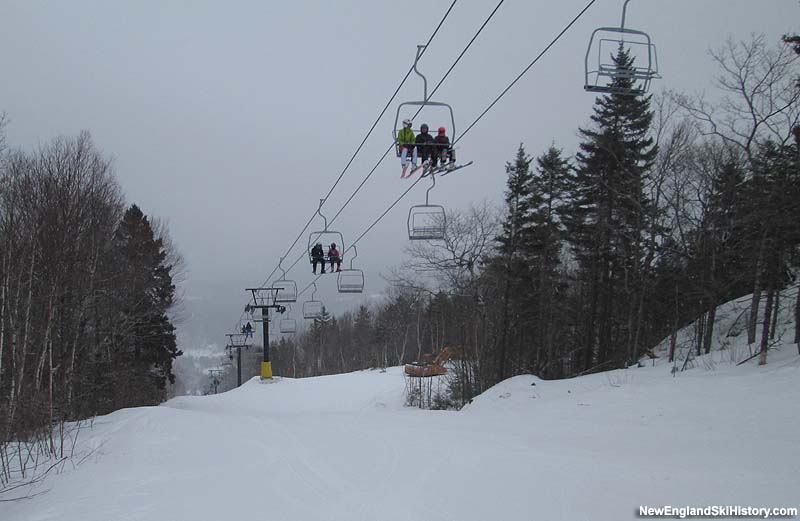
443,145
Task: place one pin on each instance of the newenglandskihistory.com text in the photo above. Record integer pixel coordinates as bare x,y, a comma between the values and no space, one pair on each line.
684,512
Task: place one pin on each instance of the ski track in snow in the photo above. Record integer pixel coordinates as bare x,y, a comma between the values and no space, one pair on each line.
345,448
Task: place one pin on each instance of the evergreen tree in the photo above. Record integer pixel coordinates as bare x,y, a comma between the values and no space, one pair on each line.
725,223
320,329
509,266
543,241
607,218
517,199
362,337
144,338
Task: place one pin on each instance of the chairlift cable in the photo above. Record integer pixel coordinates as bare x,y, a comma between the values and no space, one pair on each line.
526,69
388,103
463,52
371,226
546,49
374,125
503,93
391,146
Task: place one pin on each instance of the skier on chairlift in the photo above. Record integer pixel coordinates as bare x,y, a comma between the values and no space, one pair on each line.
444,152
425,146
334,257
247,329
317,257
406,142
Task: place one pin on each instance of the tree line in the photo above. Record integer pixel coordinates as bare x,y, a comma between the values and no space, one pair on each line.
671,206
86,288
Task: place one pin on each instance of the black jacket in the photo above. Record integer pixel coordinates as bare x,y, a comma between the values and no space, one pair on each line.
317,252
424,144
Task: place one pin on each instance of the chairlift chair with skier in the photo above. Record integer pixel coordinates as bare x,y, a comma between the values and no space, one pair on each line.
408,110
324,237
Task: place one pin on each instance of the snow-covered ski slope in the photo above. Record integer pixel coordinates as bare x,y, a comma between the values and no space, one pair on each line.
345,448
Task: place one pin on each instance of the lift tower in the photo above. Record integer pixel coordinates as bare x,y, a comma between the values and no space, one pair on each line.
265,299
237,341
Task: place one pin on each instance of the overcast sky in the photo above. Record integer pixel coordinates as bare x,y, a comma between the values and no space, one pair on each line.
231,119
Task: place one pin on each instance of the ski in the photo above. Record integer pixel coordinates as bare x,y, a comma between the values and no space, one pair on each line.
444,170
416,168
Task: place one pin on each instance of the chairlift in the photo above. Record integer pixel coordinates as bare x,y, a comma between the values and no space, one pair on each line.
244,330
288,324
425,102
607,42
285,291
351,280
427,222
325,237
313,309
239,339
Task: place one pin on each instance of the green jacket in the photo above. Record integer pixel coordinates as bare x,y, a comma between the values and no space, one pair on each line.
405,136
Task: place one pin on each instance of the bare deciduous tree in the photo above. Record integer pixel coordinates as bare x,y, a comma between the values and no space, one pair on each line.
454,261
759,99
759,104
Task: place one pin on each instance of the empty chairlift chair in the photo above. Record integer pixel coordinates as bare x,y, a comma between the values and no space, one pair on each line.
427,222
313,309
351,280
604,75
285,291
287,324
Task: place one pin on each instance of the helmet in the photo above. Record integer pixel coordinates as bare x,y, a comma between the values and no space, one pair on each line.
424,126
442,131
406,122
333,245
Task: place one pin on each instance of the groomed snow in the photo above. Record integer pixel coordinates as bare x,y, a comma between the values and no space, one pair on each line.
345,448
